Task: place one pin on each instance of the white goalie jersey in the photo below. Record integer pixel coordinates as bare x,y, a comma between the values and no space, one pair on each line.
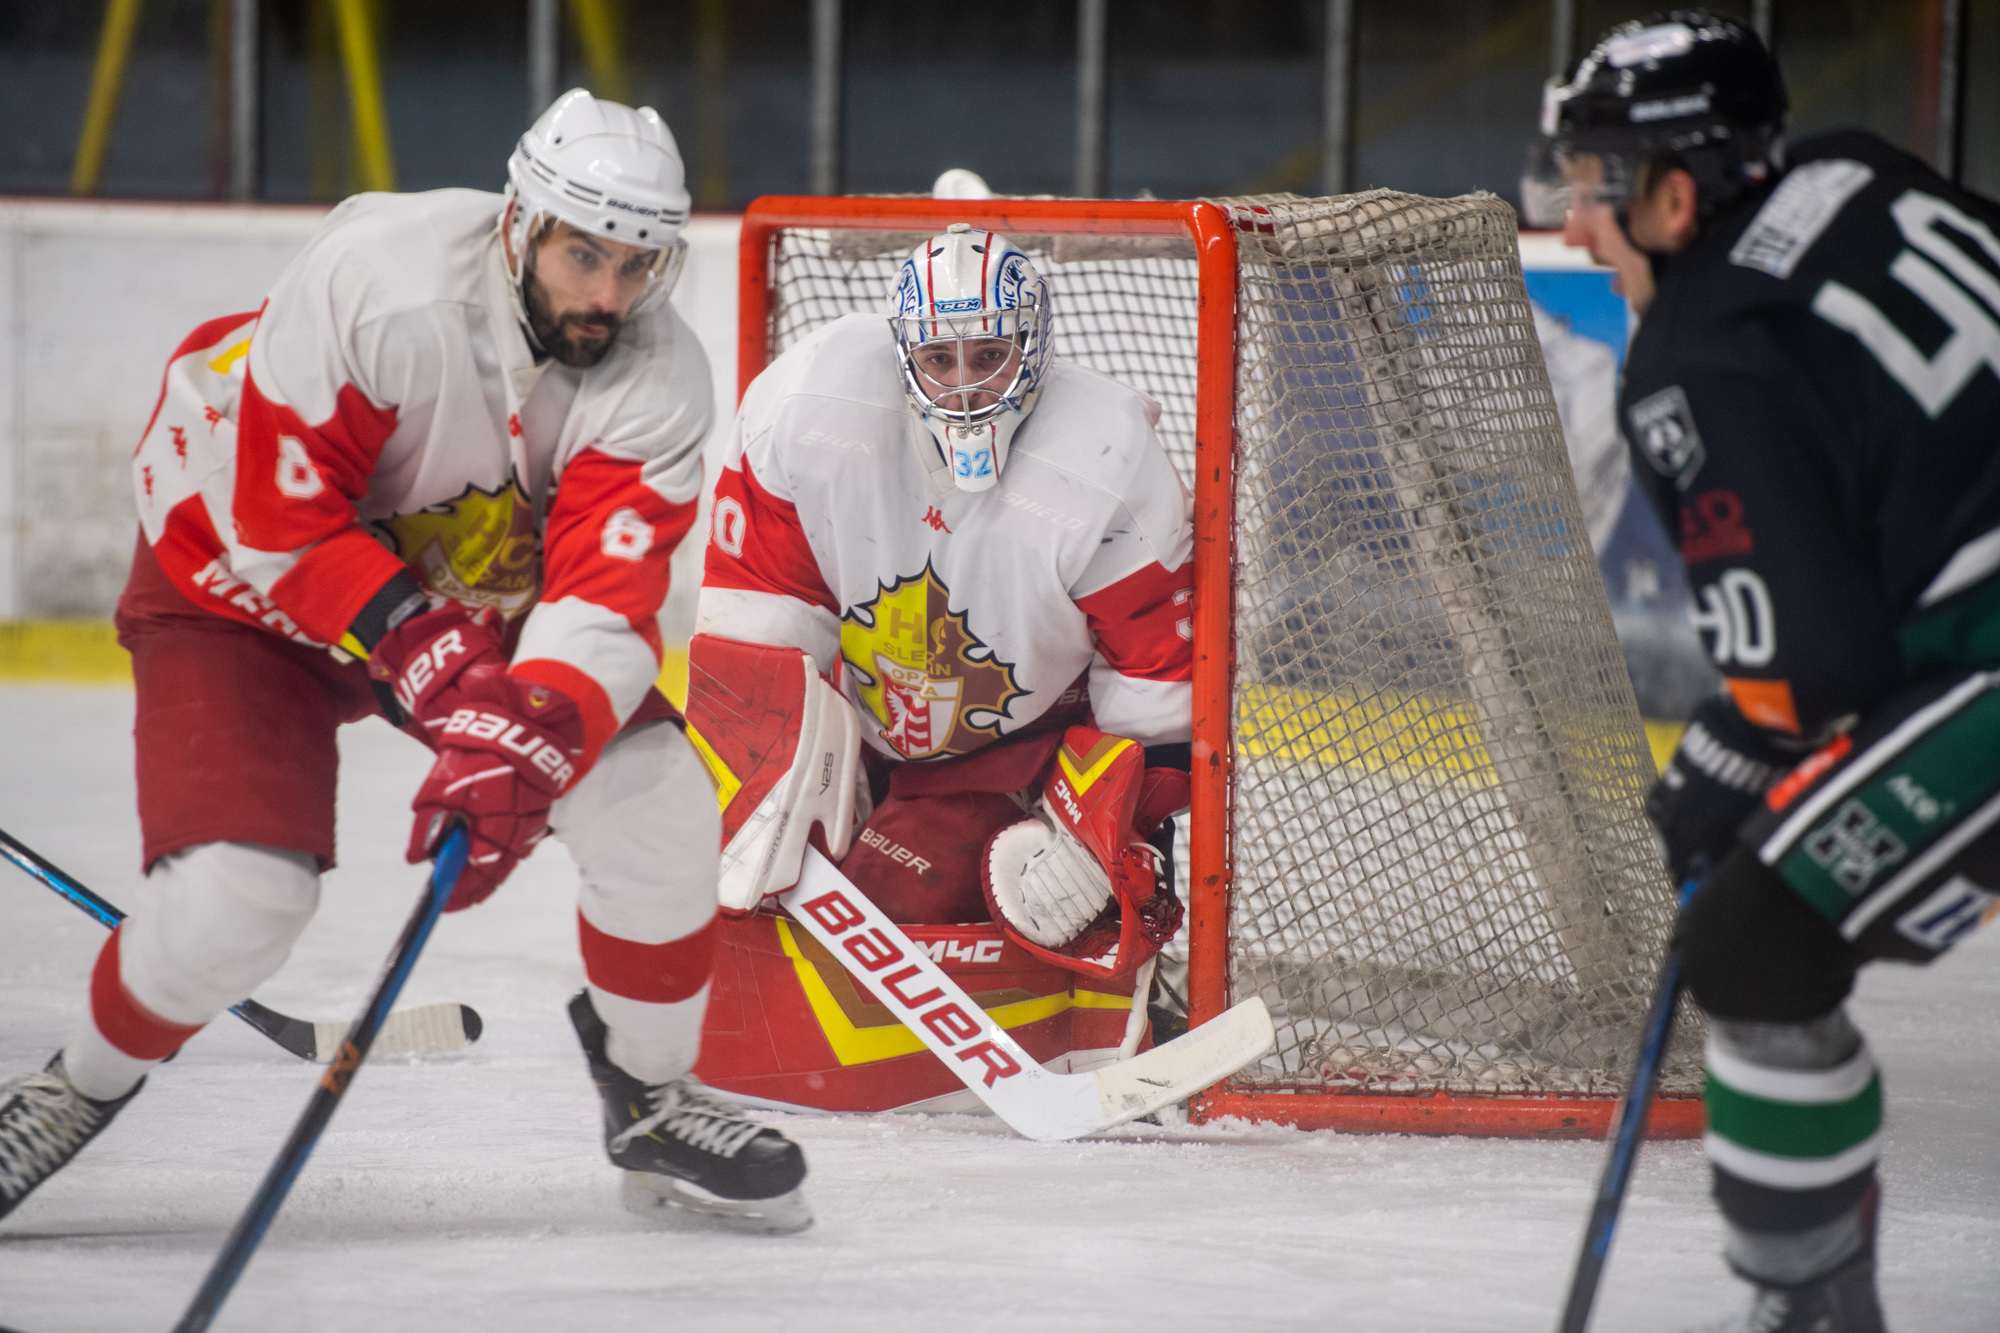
952,618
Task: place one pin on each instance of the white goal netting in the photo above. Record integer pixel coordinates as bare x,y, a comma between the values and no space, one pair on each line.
1442,878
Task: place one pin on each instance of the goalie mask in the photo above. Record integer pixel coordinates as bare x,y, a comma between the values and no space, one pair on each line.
971,321
607,170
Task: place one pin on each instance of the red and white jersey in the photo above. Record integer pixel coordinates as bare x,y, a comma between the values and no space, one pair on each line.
384,411
955,617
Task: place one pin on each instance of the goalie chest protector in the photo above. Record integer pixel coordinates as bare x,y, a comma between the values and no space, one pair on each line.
956,617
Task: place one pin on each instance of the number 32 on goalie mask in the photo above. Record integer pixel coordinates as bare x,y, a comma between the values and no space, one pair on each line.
971,321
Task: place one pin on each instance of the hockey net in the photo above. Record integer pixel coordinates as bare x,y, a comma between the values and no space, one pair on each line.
1417,831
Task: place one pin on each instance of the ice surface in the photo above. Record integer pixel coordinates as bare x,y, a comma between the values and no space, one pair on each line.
470,1192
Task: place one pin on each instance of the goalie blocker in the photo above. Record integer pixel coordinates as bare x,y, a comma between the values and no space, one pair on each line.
1022,870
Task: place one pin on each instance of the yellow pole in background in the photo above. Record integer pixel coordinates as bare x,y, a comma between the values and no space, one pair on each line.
711,77
114,44
597,32
374,162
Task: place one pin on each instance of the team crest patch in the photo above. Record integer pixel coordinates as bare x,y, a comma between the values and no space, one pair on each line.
925,677
479,547
1662,426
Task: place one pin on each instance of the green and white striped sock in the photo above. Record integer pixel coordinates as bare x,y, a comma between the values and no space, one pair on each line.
1792,1129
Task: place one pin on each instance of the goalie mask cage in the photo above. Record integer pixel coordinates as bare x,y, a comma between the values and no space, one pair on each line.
1416,828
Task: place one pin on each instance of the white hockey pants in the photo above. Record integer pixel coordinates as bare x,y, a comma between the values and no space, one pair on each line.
214,922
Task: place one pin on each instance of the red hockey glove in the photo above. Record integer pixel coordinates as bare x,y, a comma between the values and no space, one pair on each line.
1077,886
418,662
506,747
505,753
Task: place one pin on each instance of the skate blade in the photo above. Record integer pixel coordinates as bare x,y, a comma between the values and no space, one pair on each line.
652,1196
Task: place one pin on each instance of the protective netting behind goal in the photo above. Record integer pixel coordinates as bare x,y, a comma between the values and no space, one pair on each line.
1442,878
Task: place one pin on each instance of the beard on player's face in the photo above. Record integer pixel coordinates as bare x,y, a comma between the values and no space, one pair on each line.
578,337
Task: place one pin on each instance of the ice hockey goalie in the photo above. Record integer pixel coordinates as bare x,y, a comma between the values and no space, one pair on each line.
944,634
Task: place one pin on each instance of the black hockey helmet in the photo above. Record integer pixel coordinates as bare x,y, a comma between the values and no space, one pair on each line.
1689,87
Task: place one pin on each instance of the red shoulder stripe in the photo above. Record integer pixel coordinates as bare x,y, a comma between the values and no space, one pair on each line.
756,543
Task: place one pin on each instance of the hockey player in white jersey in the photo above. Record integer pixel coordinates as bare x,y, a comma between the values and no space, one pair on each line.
944,627
437,477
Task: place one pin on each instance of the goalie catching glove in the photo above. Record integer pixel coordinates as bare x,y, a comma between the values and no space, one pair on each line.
785,750
506,747
1078,885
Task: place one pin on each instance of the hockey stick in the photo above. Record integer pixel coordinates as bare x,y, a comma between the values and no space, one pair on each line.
431,1029
333,1084
1034,1101
1628,1128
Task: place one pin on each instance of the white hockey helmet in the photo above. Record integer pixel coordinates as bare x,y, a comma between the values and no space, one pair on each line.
606,169
958,290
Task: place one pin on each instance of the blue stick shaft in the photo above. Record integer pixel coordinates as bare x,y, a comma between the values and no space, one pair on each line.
58,879
1626,1135
333,1084
293,1034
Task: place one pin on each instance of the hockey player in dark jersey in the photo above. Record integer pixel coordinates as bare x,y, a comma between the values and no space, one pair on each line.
1813,400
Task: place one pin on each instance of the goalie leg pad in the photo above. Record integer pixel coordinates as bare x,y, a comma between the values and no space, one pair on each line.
784,748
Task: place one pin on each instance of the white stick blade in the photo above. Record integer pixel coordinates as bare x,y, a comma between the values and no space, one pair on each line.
1184,1066
431,1029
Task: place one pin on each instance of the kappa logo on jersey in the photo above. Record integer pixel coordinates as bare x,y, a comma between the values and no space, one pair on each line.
479,548
923,674
1663,426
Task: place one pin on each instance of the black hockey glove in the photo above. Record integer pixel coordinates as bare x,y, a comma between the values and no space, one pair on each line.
1712,785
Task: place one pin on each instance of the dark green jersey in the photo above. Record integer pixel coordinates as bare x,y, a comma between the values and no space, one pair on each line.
1813,401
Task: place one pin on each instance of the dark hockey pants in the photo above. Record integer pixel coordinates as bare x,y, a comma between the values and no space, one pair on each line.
1885,844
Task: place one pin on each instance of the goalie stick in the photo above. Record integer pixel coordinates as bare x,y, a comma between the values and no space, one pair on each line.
333,1085
1628,1129
430,1029
1033,1100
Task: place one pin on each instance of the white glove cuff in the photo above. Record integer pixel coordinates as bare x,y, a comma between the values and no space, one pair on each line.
1046,884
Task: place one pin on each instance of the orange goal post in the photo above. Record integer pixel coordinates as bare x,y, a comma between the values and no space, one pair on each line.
1418,766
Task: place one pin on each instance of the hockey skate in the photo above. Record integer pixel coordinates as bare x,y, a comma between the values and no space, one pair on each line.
43,1123
1842,1301
684,1148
